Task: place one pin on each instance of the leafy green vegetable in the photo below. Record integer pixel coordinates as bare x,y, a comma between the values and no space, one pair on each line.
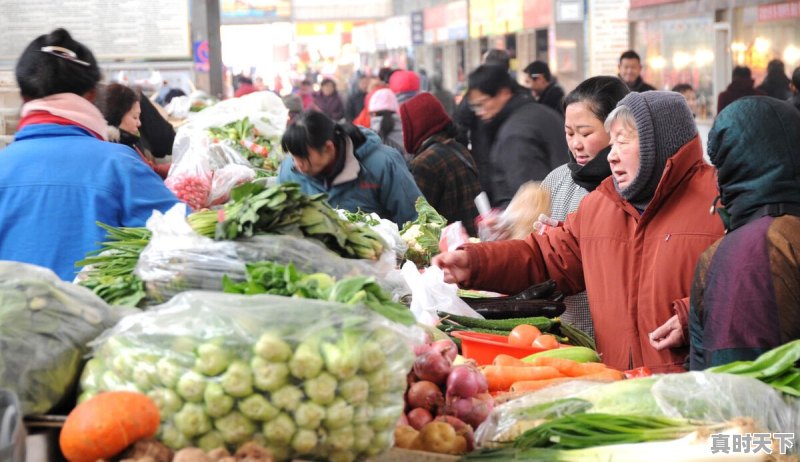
776,367
422,235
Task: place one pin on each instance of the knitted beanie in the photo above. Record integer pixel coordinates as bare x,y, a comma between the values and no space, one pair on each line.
404,81
665,124
383,100
422,116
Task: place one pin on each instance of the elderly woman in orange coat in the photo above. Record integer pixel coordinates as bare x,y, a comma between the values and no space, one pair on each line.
633,243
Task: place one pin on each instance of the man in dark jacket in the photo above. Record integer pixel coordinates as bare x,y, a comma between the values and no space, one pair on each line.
630,71
795,86
742,84
527,139
776,84
355,101
544,86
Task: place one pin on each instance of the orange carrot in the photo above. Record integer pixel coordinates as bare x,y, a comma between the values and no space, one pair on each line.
570,368
534,385
608,374
508,360
502,377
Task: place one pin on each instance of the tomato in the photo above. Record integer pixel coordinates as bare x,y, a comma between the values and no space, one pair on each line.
523,335
638,372
546,342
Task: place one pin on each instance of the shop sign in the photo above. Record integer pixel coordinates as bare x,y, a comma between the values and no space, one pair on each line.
481,18
364,38
643,3
236,11
398,32
435,24
778,11
457,20
537,14
417,28
507,16
569,11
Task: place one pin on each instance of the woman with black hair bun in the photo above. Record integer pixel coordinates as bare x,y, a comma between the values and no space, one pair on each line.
60,176
351,165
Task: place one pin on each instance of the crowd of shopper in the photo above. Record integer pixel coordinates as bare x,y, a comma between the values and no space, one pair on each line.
648,271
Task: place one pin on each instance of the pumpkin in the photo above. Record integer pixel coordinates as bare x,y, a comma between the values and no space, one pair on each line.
106,424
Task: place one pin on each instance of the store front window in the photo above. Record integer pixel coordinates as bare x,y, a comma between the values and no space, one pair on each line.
679,51
765,32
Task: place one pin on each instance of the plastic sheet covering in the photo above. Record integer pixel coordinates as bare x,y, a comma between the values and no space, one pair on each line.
305,378
702,396
177,259
12,432
45,326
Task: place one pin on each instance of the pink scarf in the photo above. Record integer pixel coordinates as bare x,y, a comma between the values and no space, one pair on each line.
71,107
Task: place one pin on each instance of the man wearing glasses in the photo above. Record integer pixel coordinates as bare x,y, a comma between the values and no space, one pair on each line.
527,139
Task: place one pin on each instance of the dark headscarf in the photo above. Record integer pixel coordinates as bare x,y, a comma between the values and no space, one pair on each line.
590,176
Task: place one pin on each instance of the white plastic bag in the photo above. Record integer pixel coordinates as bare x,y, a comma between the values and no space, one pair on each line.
429,294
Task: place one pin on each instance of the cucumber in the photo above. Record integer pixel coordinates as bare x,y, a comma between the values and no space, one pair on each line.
577,337
577,354
544,324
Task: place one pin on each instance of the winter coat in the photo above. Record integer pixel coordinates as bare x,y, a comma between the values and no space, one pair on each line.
746,292
640,86
527,145
553,97
376,179
58,181
475,136
330,105
795,101
565,196
355,104
393,139
448,177
738,88
776,85
636,268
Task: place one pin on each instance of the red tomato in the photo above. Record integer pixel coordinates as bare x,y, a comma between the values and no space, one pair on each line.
546,342
638,372
523,335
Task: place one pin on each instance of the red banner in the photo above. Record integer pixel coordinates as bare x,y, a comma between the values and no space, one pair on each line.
537,14
778,11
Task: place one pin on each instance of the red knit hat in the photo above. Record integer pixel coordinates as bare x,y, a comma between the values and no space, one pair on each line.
404,81
422,117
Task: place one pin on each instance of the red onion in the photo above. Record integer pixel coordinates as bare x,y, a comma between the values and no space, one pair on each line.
403,419
465,381
418,417
425,395
446,348
471,410
433,367
421,348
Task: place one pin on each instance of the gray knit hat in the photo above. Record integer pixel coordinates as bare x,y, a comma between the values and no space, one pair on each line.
665,124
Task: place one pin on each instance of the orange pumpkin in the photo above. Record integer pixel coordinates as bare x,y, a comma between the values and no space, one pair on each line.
106,424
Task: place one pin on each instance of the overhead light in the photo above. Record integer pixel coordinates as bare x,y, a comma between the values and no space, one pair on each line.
681,59
761,45
791,55
657,62
703,57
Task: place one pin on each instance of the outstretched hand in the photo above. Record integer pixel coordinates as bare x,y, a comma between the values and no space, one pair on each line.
455,266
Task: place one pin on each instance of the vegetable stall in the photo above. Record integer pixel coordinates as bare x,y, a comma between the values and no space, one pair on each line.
263,324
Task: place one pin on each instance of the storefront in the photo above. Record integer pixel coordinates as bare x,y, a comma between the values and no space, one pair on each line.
700,42
443,51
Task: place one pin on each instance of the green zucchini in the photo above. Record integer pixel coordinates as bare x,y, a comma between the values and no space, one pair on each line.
577,354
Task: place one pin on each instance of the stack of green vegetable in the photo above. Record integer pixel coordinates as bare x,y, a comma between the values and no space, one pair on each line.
246,139
276,279
777,368
285,209
109,270
306,379
45,326
569,334
422,235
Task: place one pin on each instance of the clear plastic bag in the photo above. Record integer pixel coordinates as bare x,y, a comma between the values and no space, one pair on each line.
12,432
430,294
701,396
45,326
177,259
304,378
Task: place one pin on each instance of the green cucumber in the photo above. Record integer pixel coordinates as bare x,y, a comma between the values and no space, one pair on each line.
544,324
577,354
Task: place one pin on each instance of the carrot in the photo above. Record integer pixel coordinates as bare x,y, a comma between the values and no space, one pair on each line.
508,360
502,377
570,368
608,374
534,385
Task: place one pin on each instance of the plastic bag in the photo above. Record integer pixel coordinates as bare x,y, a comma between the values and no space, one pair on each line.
12,432
227,178
177,259
429,294
702,396
301,377
45,325
453,235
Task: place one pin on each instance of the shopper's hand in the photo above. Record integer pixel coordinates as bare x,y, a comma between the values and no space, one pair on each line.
543,223
492,227
669,335
455,266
